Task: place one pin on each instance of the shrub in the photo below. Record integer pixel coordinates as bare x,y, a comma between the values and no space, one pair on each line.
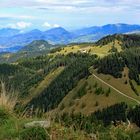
34,133
99,91
108,92
82,91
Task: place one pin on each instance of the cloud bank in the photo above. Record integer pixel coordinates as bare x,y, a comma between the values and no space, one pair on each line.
69,12
48,25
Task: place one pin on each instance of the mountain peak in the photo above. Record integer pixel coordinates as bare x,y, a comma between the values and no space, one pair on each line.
37,45
57,29
35,31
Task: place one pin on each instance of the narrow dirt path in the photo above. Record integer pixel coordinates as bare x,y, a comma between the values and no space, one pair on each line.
137,101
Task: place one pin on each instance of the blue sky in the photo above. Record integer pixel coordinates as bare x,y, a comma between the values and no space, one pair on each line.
70,14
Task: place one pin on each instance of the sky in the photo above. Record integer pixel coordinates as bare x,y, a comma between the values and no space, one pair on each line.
70,14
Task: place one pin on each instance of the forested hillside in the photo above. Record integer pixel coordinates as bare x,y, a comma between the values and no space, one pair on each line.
76,68
114,64
126,41
93,87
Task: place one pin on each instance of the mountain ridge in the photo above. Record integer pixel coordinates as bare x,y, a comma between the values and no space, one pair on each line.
60,35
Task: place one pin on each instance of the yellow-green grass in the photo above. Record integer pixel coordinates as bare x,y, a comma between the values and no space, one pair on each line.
66,50
119,83
88,103
7,56
101,51
36,90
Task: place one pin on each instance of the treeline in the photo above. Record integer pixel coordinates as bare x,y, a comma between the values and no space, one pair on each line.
101,119
113,114
114,63
14,75
43,65
28,73
8,69
76,68
126,41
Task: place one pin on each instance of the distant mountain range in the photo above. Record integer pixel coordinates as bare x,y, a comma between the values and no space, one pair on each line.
35,48
8,32
13,40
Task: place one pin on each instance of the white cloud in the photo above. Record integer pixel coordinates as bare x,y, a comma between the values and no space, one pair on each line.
23,25
56,25
70,5
48,25
14,16
19,25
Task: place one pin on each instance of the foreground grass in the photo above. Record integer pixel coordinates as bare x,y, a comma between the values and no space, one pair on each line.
12,126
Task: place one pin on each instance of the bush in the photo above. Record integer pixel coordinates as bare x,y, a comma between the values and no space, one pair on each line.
34,133
108,92
99,91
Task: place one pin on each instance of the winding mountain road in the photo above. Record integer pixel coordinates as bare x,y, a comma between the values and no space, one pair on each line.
137,101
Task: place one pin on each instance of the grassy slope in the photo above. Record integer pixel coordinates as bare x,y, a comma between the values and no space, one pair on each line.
87,103
119,83
101,51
